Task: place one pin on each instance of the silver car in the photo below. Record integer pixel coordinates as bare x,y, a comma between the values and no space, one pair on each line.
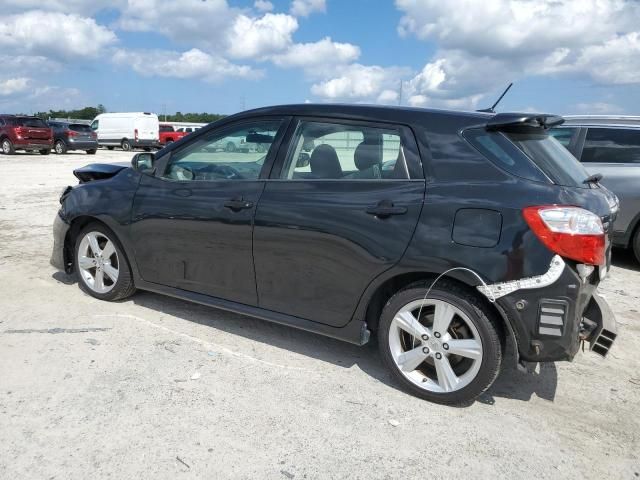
610,145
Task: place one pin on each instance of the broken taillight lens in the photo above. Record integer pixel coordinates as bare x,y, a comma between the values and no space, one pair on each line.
571,232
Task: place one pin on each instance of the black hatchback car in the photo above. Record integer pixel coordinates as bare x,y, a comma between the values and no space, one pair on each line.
445,233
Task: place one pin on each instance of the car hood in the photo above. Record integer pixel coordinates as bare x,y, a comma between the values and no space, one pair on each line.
99,171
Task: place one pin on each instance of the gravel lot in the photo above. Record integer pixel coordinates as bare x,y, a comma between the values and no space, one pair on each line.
154,387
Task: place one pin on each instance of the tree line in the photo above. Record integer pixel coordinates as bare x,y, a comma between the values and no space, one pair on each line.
89,113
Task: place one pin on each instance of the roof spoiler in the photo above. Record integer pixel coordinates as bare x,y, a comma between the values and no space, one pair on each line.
536,120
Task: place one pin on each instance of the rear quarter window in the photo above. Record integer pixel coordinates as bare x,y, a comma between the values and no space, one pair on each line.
533,155
611,145
504,154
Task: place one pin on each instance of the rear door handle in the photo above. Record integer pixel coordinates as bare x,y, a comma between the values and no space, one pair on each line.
238,204
385,209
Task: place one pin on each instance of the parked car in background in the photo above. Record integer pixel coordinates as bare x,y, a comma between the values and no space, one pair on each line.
188,129
127,130
73,136
610,145
168,135
317,234
19,132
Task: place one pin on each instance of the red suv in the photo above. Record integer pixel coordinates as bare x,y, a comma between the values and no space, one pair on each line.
19,132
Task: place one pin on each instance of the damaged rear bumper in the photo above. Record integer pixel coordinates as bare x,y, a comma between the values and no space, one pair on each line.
599,326
553,313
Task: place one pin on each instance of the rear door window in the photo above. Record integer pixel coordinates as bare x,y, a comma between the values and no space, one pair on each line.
611,145
347,151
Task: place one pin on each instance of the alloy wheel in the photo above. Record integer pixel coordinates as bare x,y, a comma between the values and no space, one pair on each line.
435,345
6,147
98,262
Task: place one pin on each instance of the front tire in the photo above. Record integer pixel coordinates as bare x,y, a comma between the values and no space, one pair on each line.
230,147
444,348
60,147
7,147
45,151
91,152
101,267
126,145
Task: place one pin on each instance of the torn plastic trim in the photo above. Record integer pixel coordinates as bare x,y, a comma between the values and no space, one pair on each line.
501,289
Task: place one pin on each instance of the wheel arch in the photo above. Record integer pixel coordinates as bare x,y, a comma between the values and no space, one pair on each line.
375,299
75,227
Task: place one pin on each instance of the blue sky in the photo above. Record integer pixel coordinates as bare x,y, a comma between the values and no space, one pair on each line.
572,56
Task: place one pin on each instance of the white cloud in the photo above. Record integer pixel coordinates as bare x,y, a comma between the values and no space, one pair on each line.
359,83
11,86
522,27
191,22
258,37
192,64
27,64
54,35
304,8
483,45
388,97
263,5
321,53
616,61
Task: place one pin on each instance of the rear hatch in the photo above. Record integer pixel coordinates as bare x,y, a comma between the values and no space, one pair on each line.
31,128
148,127
82,132
520,144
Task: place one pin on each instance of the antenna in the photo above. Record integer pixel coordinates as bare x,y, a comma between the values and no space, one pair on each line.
492,108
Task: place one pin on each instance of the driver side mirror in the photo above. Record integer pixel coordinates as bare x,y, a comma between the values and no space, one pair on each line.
143,162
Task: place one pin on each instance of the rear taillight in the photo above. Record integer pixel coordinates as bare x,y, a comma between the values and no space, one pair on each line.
71,133
94,135
135,134
571,232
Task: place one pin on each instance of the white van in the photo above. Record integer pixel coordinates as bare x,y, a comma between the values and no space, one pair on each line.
127,130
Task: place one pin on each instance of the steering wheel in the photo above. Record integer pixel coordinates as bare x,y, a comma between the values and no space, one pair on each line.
221,171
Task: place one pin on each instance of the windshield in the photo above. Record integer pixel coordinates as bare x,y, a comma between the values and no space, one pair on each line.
551,157
29,122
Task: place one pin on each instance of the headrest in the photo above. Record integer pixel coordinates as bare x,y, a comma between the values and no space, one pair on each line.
366,156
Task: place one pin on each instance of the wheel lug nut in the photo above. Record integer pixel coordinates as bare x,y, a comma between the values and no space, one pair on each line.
437,334
425,350
438,355
425,337
445,346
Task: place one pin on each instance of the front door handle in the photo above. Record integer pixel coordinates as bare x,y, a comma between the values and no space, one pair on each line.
385,209
237,204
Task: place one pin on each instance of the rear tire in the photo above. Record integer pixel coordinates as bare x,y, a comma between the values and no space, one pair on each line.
230,147
126,145
453,366
7,147
91,152
101,266
110,148
45,151
60,147
636,244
